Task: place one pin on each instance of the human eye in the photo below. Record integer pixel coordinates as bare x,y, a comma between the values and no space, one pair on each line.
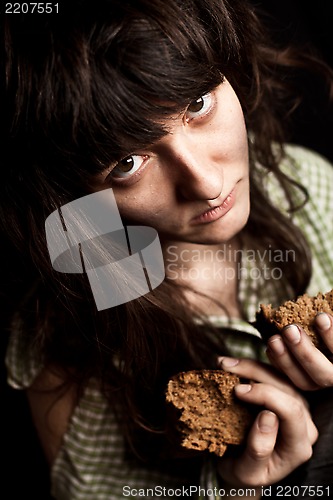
200,107
126,167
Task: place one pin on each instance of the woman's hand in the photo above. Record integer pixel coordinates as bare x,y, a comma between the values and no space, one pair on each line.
282,435
293,353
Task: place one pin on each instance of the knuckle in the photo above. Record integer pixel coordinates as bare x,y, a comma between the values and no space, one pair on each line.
259,454
297,409
306,453
303,453
314,434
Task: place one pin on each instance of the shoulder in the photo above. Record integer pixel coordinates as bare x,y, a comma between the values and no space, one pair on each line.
305,156
315,217
309,168
311,177
315,174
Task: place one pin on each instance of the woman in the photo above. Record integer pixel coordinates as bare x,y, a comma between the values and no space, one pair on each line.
177,107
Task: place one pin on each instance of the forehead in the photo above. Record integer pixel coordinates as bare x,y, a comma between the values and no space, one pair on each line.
149,71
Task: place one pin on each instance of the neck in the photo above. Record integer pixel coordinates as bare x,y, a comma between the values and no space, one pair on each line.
208,269
187,256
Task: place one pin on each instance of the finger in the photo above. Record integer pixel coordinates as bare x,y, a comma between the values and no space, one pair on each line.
260,447
324,325
254,370
314,362
281,358
296,425
254,462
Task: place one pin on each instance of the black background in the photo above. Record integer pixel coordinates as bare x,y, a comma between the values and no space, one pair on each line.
303,24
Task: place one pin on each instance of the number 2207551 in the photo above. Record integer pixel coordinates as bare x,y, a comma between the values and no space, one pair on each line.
31,8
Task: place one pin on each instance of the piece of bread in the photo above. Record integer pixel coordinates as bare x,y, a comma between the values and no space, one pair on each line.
211,417
302,311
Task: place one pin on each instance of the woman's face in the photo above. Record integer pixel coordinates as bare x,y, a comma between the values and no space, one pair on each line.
193,184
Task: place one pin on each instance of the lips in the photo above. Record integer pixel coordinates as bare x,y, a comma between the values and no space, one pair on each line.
216,212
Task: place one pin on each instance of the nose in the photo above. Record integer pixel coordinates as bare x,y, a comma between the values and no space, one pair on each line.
195,171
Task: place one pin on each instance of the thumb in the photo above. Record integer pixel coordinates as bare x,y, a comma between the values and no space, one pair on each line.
252,468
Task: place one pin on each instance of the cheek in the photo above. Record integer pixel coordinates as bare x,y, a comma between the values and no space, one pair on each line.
236,123
237,129
146,208
230,133
131,209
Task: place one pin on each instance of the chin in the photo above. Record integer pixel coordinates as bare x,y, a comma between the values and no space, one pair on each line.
223,232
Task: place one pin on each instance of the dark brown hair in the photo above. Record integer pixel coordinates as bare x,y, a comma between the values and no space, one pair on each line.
78,91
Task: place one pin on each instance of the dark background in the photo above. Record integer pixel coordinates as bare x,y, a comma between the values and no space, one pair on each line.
306,24
290,21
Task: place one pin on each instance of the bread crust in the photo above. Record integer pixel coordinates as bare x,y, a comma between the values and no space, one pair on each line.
302,311
211,418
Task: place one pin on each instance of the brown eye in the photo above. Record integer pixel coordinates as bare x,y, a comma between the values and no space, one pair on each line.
200,107
128,166
196,106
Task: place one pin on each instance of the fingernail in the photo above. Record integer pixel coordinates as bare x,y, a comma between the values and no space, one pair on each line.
243,388
267,421
228,362
276,346
323,321
292,334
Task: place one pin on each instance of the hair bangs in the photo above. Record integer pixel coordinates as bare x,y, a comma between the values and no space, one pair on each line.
110,85
134,93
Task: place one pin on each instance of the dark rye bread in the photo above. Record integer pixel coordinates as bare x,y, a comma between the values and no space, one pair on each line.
211,418
302,311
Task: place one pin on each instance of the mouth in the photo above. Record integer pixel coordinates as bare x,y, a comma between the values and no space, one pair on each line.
217,211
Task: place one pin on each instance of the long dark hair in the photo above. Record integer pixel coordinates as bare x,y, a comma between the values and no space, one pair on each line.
80,89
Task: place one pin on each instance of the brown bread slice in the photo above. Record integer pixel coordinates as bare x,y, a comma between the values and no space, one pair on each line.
211,417
302,311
